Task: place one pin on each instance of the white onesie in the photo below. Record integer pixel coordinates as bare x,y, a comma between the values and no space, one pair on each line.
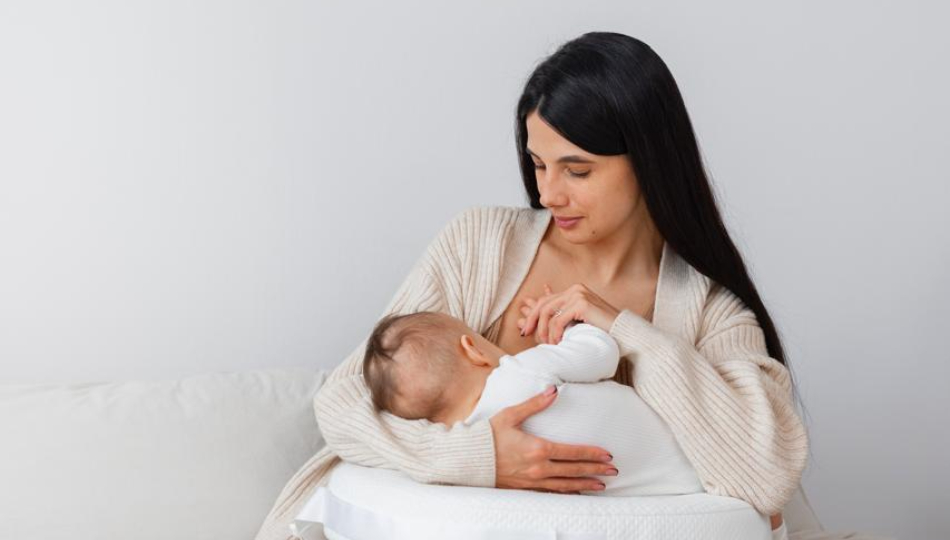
590,410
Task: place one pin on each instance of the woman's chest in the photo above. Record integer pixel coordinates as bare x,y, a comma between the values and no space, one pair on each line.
548,269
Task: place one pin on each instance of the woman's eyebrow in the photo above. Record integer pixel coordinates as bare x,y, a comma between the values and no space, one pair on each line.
566,159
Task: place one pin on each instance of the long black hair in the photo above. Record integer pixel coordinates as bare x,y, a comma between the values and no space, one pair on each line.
611,94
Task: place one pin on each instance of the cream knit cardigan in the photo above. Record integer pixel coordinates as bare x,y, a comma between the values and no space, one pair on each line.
702,364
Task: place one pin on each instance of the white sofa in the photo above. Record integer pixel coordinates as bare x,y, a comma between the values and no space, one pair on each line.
199,458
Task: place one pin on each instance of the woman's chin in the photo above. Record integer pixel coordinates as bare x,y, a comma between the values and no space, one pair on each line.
575,236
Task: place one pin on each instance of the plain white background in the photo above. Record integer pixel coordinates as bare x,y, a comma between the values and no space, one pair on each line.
200,186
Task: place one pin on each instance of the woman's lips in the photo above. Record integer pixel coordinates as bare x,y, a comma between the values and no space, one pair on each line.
566,223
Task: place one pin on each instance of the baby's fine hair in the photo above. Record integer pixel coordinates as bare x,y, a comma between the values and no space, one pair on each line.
426,339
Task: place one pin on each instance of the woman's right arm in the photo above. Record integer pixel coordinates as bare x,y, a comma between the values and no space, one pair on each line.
426,451
432,452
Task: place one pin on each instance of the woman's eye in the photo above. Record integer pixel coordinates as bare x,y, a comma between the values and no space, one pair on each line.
569,172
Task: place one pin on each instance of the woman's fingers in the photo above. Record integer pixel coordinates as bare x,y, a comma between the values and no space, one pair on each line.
545,490
579,452
556,323
570,485
531,323
580,469
526,310
545,315
564,459
524,461
566,476
571,311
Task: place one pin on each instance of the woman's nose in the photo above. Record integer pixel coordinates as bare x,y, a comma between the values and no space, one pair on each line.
551,191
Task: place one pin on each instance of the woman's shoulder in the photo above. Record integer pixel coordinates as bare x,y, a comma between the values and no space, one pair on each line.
723,308
695,305
696,293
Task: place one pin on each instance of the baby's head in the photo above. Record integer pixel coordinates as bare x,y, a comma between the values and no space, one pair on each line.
427,365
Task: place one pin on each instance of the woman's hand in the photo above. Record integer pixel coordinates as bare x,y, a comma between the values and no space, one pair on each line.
523,461
577,303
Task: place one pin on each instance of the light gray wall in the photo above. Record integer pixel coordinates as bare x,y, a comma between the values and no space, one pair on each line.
194,186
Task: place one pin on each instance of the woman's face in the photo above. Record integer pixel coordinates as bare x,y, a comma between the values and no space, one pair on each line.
601,190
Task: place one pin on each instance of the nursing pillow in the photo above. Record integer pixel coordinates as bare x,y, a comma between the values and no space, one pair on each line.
363,503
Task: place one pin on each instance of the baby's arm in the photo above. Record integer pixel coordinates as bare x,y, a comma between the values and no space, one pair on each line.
584,354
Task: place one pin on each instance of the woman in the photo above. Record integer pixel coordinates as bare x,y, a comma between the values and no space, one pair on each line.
622,232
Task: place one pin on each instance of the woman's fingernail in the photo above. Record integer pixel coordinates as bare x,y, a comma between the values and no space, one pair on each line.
550,390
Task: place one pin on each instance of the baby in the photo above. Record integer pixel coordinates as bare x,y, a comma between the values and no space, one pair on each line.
431,365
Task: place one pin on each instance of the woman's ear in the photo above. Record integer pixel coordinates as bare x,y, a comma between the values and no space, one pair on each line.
472,352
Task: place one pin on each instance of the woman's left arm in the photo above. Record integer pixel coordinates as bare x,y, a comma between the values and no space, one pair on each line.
727,402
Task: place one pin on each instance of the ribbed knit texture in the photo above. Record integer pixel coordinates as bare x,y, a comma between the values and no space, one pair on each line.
702,365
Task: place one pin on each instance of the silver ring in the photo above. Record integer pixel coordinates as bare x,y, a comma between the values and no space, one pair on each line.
557,312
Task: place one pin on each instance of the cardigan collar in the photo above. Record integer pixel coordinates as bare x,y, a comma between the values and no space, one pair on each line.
675,310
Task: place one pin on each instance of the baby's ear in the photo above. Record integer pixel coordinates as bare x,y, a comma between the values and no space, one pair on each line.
469,348
471,351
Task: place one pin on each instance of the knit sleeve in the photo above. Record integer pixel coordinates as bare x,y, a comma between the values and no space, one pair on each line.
727,402
427,452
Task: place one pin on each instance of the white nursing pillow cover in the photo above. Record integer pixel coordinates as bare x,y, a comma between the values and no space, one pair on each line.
362,503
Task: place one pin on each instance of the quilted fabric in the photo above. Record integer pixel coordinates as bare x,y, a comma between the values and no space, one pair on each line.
361,503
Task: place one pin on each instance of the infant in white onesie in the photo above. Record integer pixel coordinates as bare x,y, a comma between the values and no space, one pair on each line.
429,365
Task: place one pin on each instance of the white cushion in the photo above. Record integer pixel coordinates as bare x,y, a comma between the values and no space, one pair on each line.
202,457
361,503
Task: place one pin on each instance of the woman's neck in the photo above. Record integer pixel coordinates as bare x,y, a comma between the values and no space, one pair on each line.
632,251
